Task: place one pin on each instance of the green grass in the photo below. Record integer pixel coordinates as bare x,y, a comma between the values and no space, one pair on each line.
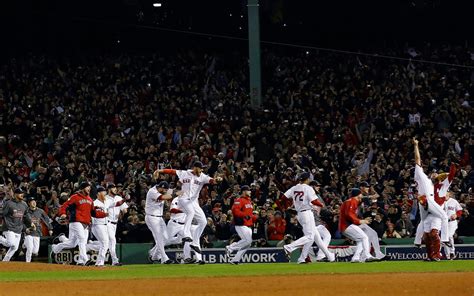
216,270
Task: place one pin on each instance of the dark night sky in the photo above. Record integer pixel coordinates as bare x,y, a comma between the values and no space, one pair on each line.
52,24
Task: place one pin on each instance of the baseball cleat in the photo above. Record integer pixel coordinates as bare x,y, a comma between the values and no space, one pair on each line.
427,259
189,261
117,264
418,246
169,261
371,259
322,260
187,240
201,262
227,251
195,249
287,253
384,258
303,262
453,256
234,263
447,244
435,259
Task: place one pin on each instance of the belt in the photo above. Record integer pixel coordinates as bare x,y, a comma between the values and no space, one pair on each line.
304,210
155,216
180,223
112,222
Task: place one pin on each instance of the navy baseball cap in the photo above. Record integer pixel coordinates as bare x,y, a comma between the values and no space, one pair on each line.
84,185
100,189
163,184
355,192
364,184
30,198
198,164
245,188
303,176
314,183
111,185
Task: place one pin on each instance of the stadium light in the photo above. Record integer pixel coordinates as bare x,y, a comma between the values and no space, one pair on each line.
157,4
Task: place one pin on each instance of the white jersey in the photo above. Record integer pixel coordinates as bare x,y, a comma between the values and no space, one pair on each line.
114,212
451,206
192,184
302,196
105,206
177,217
443,190
424,185
153,203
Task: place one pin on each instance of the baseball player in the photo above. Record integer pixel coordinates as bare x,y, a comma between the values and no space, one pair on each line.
175,230
434,203
32,237
81,209
114,214
371,234
15,217
242,210
431,222
192,182
99,225
154,204
349,225
304,197
454,211
323,231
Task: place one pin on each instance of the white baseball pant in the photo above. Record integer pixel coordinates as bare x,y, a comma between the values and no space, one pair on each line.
112,230
157,227
11,240
193,212
452,227
325,237
419,229
102,245
436,210
431,222
78,235
373,240
32,244
356,234
243,244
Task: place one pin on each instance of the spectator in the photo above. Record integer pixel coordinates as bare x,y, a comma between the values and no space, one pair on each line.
404,226
391,232
276,227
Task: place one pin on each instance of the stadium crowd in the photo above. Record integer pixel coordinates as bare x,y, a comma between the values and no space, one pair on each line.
345,119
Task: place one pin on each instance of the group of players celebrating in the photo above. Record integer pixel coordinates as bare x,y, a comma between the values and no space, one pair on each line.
438,211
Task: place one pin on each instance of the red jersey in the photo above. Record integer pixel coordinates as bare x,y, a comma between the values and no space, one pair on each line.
348,214
81,209
242,210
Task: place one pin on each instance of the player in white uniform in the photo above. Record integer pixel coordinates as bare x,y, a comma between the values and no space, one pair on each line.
371,234
323,231
454,211
154,204
304,198
99,225
175,229
431,220
192,182
114,215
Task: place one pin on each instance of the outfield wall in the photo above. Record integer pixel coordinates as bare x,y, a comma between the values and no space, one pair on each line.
138,254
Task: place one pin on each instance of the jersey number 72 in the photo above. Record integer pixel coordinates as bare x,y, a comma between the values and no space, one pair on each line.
298,195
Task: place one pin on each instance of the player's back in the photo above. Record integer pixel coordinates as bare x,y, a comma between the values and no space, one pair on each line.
302,195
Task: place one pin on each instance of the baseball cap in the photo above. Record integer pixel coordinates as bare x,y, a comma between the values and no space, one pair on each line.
303,176
314,183
30,198
163,184
245,188
355,192
119,185
110,185
19,191
198,164
100,189
84,185
364,184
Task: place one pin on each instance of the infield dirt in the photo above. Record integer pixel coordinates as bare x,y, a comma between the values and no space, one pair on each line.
453,283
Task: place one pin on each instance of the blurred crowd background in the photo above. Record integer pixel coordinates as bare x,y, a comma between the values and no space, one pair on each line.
346,119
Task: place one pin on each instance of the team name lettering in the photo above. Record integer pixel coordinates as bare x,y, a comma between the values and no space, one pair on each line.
84,201
186,180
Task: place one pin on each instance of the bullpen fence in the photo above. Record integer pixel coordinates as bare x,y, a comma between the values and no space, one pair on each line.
138,254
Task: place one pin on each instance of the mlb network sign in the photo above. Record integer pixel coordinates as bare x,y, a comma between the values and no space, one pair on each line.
253,255
72,257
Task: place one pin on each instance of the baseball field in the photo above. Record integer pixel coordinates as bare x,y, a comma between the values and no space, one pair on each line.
381,278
